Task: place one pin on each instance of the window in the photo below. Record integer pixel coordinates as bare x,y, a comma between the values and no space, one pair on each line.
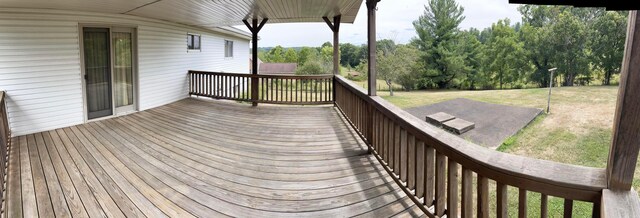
228,49
193,42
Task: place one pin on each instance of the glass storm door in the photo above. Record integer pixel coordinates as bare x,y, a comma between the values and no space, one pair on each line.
109,71
123,85
97,72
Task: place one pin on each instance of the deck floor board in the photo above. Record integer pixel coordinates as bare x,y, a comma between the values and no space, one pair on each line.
198,158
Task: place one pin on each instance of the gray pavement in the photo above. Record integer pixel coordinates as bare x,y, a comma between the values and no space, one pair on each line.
494,123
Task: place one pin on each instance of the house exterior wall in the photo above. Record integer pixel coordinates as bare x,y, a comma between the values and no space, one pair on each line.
40,63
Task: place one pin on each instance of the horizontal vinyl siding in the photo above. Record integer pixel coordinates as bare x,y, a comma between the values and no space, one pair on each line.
39,70
162,53
40,65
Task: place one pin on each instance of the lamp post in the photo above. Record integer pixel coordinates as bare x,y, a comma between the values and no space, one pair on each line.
550,86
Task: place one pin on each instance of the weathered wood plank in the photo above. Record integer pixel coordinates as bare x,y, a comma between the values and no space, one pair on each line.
411,162
440,186
544,202
467,193
568,208
503,202
58,201
421,166
45,208
93,180
483,196
430,176
522,203
71,196
403,155
452,189
91,204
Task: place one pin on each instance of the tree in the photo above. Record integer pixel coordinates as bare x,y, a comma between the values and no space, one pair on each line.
291,56
536,34
437,31
569,41
505,53
311,67
350,55
386,45
474,53
304,54
275,55
397,65
607,44
407,57
537,43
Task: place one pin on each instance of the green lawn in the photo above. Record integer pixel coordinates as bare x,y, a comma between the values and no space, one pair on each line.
577,131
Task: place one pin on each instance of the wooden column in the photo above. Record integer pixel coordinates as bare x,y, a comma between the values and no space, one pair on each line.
371,33
623,153
335,28
255,28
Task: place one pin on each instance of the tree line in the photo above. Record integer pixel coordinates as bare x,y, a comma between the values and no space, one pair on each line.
584,44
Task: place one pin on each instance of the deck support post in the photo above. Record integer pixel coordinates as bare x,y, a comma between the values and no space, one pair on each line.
255,28
371,34
625,144
335,28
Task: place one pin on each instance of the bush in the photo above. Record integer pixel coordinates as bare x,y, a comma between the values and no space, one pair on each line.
311,68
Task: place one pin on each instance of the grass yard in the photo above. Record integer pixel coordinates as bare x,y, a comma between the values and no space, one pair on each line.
577,131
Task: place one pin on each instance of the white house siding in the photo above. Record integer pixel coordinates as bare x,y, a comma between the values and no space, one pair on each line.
40,65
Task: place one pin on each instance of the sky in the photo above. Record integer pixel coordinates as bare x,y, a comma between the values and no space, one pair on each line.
394,19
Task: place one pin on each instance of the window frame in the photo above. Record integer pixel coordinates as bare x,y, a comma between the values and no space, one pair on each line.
228,48
191,42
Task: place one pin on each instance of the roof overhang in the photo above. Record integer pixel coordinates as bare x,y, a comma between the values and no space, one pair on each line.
208,14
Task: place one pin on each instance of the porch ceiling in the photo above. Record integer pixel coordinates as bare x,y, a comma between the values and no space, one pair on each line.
207,13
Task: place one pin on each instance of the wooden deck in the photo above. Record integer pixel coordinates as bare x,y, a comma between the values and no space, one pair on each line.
203,159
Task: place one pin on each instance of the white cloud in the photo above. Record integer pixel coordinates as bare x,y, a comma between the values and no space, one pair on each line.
394,20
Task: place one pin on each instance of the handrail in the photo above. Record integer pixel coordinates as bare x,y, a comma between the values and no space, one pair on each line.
272,89
392,132
5,139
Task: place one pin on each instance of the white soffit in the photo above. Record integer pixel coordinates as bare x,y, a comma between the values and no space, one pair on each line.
207,13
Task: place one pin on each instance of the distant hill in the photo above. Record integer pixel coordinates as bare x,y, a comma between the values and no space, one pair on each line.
266,49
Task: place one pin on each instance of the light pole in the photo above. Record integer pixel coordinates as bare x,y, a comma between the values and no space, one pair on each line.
550,86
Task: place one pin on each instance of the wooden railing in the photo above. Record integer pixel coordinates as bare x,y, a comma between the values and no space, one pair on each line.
272,89
439,171
5,138
230,86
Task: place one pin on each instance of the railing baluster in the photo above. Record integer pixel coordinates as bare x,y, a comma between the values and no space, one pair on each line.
280,87
502,204
403,155
392,137
441,199
275,89
430,173
544,211
483,197
396,148
568,208
467,193
420,173
522,203
411,165
452,189
385,139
